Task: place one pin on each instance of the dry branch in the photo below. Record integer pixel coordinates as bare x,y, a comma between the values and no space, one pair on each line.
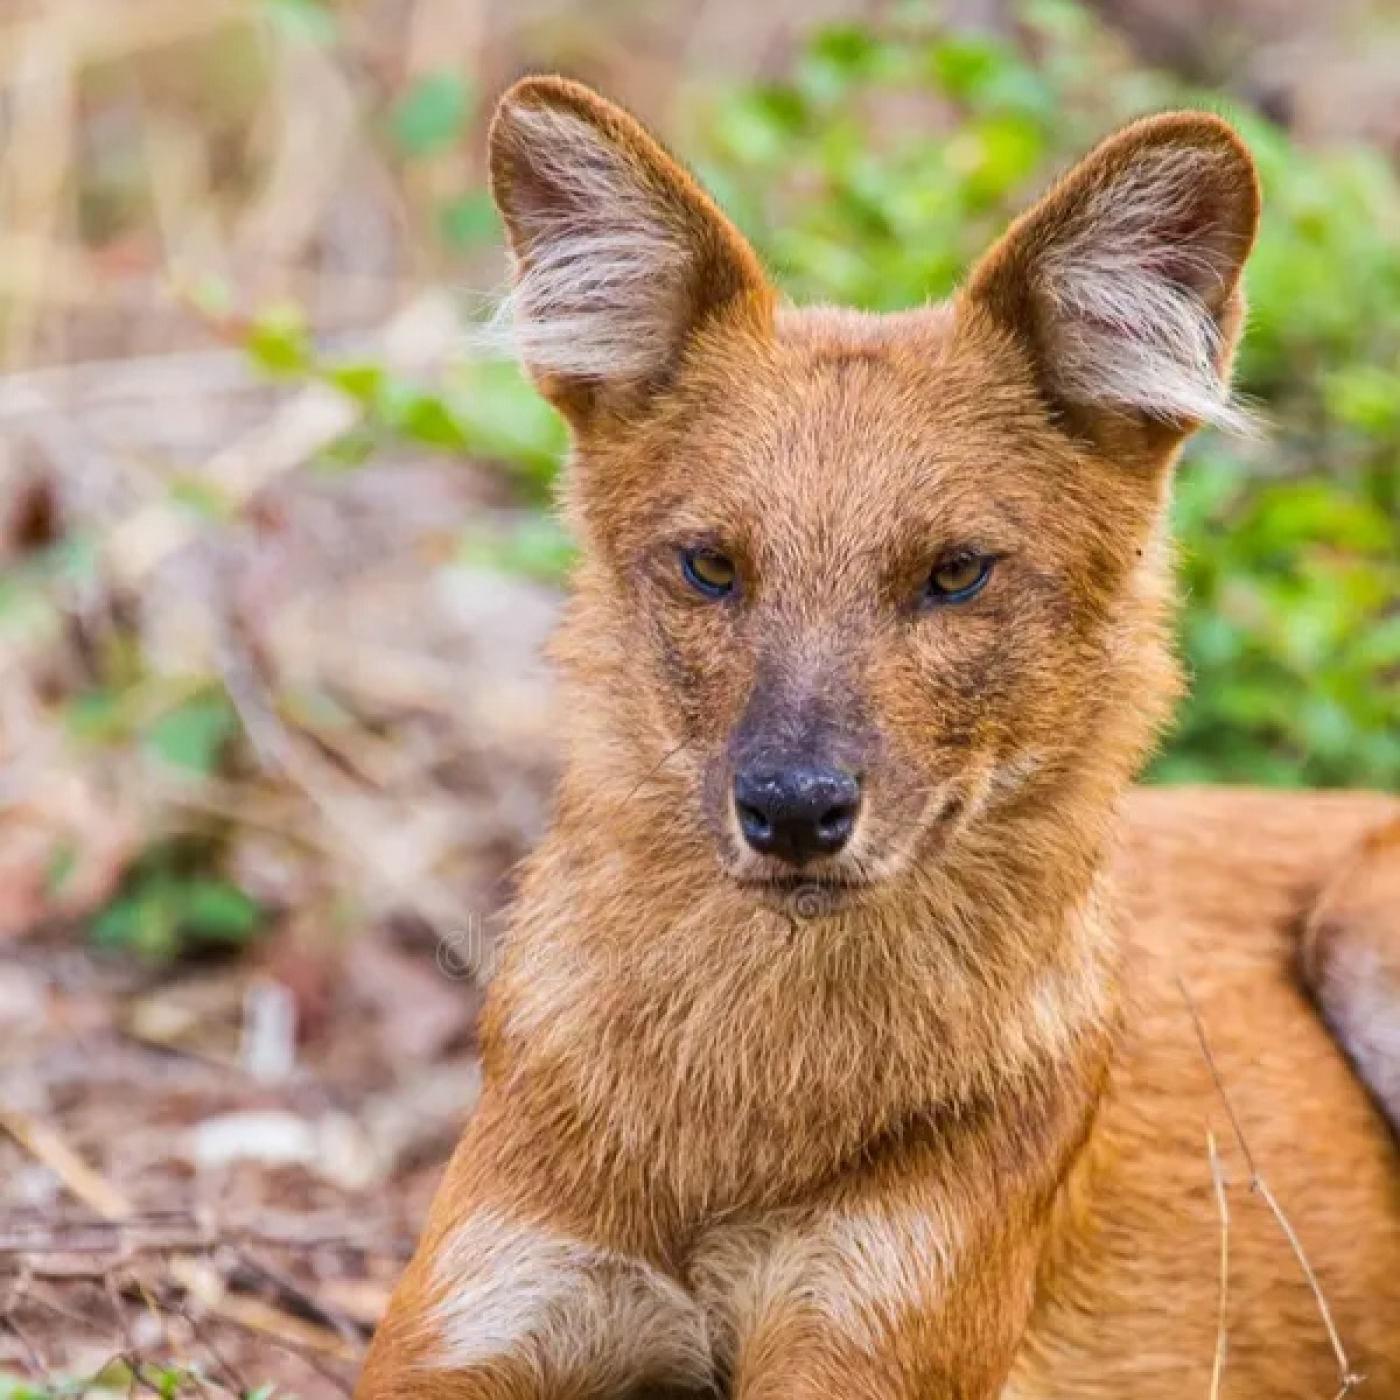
172,1233
45,1144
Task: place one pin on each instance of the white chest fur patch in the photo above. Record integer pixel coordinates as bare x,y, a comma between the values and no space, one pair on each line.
858,1271
566,1312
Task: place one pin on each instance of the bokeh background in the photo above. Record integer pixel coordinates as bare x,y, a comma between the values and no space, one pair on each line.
276,556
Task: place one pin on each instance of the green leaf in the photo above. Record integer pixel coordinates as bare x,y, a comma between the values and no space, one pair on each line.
758,128
838,57
138,922
964,67
16,1388
218,911
421,416
192,736
307,21
536,546
503,417
160,911
278,340
1008,148
362,381
171,1382
430,116
97,715
470,221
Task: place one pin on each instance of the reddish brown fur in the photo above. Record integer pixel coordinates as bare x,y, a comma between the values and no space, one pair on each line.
948,1136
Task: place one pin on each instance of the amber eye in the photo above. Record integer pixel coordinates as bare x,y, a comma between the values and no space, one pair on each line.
709,572
958,578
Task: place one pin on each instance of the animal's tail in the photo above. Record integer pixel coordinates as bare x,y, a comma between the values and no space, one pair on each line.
1351,962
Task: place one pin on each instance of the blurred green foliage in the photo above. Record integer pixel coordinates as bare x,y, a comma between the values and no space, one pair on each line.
122,1378
161,910
1291,544
430,116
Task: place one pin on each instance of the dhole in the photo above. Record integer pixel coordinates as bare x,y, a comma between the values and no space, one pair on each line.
841,1046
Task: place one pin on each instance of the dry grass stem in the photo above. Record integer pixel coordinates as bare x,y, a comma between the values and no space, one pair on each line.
1222,1205
1347,1378
47,1145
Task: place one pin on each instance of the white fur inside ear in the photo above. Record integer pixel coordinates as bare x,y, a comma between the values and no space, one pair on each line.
600,277
1132,328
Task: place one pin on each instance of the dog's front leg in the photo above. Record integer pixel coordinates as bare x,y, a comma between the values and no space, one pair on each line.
512,1297
895,1290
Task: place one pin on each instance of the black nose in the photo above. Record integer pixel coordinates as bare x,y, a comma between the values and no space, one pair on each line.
796,814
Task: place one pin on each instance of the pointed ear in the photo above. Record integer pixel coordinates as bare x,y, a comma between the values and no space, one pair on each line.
620,258
1123,284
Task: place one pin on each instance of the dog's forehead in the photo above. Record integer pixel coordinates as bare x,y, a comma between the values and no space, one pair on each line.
847,429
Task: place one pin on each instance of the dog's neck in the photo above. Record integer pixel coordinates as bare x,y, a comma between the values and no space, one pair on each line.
679,1022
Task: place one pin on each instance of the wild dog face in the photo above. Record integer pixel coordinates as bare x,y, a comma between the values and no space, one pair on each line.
860,586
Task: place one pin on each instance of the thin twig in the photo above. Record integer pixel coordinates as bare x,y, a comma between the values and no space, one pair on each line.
114,1297
240,1385
1222,1204
55,1302
310,1343
280,751
1220,1088
1348,1379
170,1233
38,1369
297,1296
45,1145
253,1315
